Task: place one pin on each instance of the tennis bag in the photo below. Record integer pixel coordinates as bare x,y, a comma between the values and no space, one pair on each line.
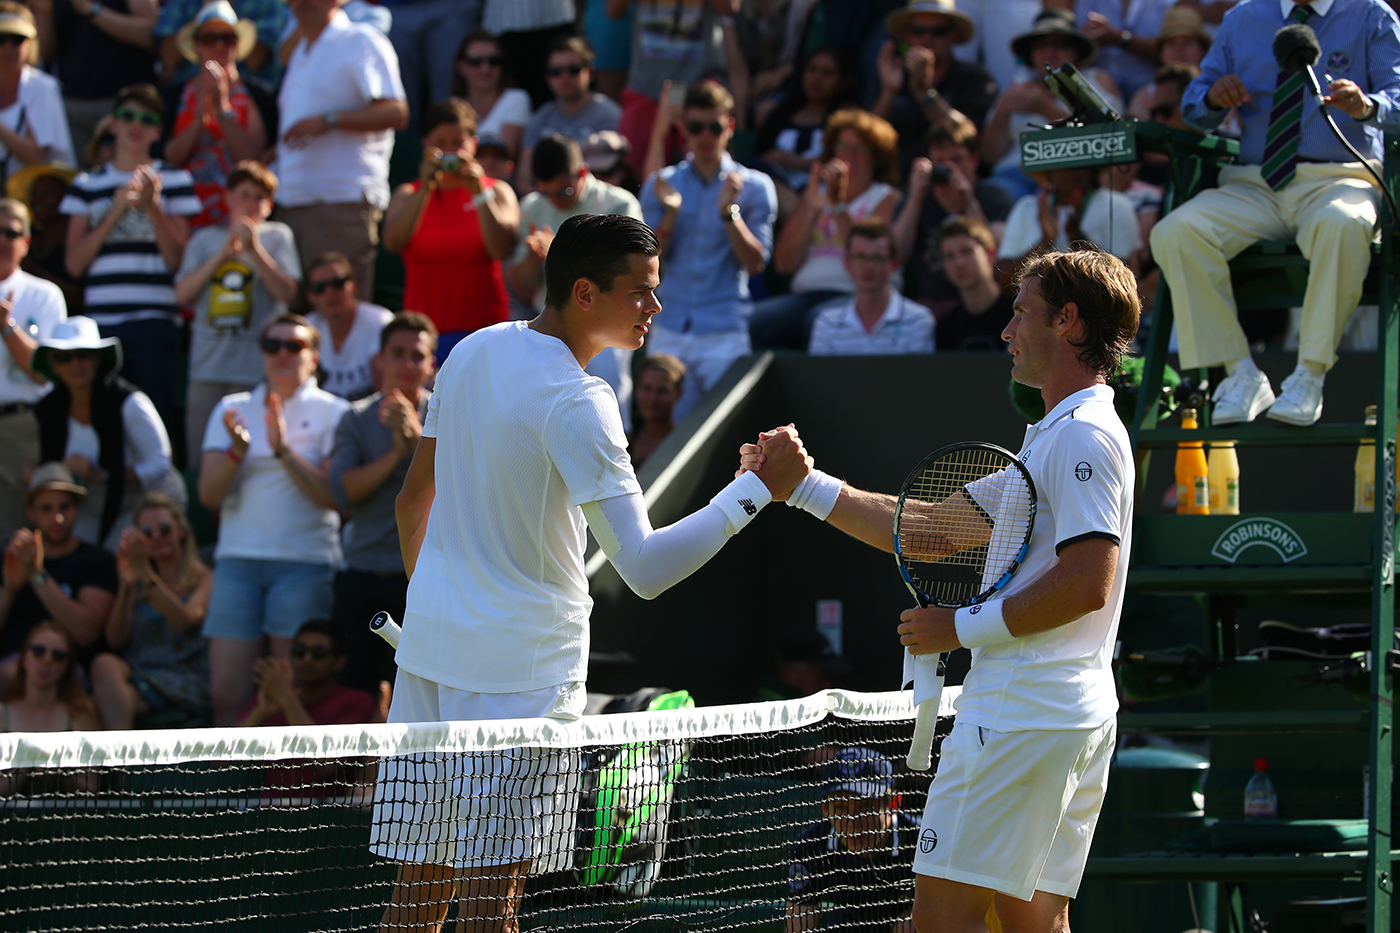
625,802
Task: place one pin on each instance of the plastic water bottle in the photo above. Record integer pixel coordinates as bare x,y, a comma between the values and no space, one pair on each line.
1192,474
1223,476
1260,800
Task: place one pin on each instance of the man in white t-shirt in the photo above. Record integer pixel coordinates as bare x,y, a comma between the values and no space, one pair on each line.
1022,776
29,309
877,319
492,521
1069,209
340,102
349,327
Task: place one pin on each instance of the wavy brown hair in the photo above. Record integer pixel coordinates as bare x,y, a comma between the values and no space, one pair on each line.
191,567
70,688
882,139
1103,289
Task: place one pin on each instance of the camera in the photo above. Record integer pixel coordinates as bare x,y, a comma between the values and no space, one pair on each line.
940,174
451,163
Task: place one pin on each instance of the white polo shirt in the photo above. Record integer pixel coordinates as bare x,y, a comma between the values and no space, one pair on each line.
904,327
267,516
348,66
37,306
499,602
1081,462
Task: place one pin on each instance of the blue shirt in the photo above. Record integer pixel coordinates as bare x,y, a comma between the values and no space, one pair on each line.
1360,41
703,288
1142,18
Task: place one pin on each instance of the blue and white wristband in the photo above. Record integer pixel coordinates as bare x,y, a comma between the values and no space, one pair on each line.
981,625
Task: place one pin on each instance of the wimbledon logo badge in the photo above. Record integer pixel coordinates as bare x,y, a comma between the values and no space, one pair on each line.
1275,535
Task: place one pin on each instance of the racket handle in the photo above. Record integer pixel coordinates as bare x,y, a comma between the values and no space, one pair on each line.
386,628
921,748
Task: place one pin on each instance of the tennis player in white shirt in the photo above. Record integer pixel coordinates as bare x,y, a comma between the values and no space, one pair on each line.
520,450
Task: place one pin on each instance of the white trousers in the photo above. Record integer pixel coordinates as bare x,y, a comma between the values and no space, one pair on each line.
1330,209
707,357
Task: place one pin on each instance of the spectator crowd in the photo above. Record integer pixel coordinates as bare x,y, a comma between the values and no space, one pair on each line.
239,237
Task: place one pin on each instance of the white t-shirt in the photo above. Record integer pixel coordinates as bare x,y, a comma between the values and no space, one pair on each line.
512,109
349,371
499,602
1081,462
38,113
904,327
37,305
1110,221
348,66
266,516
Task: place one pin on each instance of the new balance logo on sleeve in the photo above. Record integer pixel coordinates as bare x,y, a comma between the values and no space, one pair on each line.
749,507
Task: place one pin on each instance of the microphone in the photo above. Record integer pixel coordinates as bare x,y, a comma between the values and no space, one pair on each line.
1296,49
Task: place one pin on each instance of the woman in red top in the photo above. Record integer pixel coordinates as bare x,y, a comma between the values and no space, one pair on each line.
453,226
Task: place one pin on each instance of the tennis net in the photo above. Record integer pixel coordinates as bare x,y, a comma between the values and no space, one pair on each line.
710,818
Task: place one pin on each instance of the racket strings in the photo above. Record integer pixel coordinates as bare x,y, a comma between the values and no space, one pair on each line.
962,524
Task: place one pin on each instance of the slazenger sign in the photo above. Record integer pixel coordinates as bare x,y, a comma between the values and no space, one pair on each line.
1268,532
1053,153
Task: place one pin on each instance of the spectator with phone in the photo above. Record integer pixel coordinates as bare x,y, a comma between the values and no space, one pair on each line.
1068,207
454,225
921,82
577,111
238,276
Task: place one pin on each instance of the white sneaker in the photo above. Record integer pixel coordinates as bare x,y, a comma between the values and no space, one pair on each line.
1241,397
1301,401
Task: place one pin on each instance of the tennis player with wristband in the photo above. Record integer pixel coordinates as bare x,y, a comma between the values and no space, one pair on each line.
1021,779
520,450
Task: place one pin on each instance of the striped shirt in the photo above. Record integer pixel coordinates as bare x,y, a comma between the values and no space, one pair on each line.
905,327
129,279
526,15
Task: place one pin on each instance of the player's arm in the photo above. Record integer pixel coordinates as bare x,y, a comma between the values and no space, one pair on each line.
414,500
800,918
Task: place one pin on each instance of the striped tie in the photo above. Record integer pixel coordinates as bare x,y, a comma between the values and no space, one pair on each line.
1285,123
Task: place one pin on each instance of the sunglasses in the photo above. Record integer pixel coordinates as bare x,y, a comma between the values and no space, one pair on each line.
163,529
10,38
11,233
476,61
67,356
942,29
143,117
44,651
317,652
696,127
1162,111
271,345
317,288
556,71
217,38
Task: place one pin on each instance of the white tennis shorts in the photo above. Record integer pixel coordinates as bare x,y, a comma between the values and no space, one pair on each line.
1015,811
486,808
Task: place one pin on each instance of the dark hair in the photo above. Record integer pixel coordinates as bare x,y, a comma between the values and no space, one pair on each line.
330,258
873,228
296,320
327,628
555,155
412,322
576,44
254,171
454,111
1105,292
963,225
1178,73
143,95
952,132
709,95
597,247
459,83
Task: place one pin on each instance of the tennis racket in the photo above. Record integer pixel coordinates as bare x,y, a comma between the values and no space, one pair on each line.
961,529
386,628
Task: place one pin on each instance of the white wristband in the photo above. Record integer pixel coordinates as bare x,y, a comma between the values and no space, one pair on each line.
483,196
980,625
741,500
817,493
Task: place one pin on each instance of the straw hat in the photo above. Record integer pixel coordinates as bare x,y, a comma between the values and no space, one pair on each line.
1055,23
53,475
17,24
18,184
898,21
603,150
1183,21
221,10
77,333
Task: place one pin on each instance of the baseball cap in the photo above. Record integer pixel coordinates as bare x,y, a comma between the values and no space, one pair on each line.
603,150
858,770
492,141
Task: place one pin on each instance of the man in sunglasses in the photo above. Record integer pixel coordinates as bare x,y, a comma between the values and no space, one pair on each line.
714,218
577,111
920,82
304,692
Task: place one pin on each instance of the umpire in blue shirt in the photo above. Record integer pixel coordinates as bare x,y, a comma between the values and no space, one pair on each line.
1295,181
714,218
